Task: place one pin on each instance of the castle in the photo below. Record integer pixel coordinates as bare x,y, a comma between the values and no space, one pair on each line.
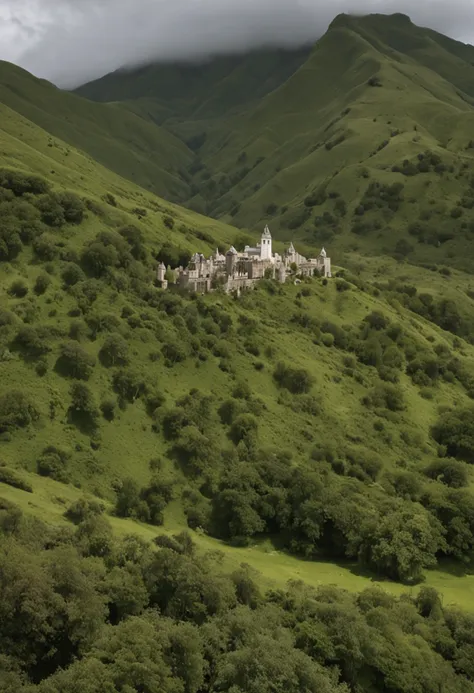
236,271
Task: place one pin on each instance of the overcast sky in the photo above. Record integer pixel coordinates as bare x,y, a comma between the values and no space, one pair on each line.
73,41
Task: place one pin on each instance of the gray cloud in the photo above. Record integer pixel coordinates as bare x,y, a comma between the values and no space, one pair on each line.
72,41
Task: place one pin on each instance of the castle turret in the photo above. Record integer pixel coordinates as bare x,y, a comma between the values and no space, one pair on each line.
230,260
160,275
266,245
325,263
160,272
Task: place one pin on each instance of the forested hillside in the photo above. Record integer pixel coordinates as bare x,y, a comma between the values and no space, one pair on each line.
365,143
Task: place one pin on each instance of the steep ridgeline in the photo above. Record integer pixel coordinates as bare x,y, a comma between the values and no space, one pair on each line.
365,142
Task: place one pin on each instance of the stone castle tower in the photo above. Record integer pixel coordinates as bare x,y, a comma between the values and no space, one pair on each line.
266,244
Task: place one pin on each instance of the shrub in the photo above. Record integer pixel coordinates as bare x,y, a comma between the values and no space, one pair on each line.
83,411
129,384
451,472
296,380
455,430
385,396
74,361
83,509
244,428
72,274
168,222
18,288
10,241
43,281
20,183
327,339
51,210
31,341
78,330
53,463
107,408
173,352
114,351
16,411
110,199
128,498
73,207
374,82
98,258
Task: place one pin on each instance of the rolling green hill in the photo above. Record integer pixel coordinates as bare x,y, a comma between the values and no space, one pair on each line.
366,144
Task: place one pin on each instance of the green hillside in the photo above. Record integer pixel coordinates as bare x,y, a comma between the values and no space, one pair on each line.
119,140
367,144
231,409
264,493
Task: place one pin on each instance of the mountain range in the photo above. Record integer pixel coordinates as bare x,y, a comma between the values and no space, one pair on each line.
310,140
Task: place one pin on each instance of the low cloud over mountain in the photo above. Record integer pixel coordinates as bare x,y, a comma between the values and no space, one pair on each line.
70,42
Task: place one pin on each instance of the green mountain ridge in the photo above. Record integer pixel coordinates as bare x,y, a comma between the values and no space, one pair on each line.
112,136
377,102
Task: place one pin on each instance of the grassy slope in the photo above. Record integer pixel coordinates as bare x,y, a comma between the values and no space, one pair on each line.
50,500
210,88
425,103
128,443
27,147
124,143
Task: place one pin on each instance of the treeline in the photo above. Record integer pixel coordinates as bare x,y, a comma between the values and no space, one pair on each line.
85,612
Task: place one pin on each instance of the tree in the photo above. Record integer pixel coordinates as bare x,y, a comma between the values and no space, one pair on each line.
18,289
73,207
296,380
51,210
244,427
127,498
114,351
42,283
401,543
455,430
99,257
72,274
17,410
451,472
83,410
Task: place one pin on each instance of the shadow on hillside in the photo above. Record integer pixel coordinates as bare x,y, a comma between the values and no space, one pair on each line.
455,569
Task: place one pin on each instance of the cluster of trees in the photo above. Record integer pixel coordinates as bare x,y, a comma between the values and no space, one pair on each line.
84,611
28,208
326,506
442,312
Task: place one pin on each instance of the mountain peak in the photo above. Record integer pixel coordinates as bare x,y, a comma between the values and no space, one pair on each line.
348,20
